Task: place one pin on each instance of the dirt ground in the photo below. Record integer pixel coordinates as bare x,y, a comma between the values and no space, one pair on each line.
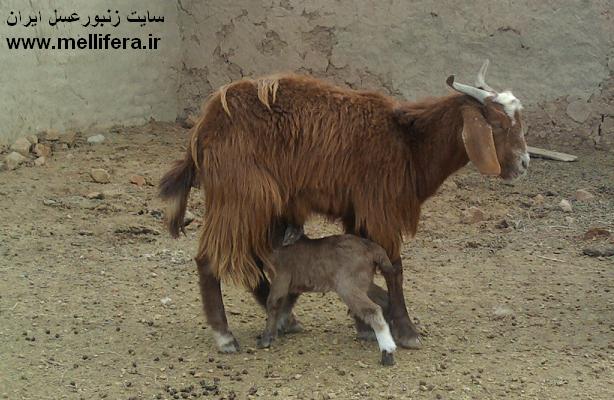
97,301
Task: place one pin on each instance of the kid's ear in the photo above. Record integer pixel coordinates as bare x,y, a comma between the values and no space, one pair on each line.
292,234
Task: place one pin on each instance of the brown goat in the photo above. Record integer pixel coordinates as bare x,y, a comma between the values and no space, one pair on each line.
341,263
277,149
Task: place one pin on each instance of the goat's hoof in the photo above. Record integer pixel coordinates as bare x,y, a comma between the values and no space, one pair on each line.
264,342
409,342
228,344
387,358
366,336
293,327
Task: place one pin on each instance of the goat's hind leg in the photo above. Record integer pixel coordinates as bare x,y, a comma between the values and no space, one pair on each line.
213,305
365,309
364,330
376,293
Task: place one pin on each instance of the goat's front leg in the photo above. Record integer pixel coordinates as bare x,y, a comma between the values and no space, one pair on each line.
403,328
273,308
213,305
287,322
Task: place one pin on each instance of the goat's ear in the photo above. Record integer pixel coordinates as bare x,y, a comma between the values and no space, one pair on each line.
479,142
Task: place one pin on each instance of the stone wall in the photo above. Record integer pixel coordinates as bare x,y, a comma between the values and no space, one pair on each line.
555,55
80,89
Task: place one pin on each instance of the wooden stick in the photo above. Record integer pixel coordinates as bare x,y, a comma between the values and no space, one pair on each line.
550,155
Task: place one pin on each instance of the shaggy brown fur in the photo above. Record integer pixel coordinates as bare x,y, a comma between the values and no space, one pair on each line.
287,146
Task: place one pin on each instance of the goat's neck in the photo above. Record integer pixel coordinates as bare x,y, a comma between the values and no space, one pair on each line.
437,146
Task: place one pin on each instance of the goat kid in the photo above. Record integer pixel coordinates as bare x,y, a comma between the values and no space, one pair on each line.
341,263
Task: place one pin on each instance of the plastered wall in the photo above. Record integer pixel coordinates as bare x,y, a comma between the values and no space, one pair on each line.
550,53
557,57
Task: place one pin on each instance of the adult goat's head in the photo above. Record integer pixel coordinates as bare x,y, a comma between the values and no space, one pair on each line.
493,130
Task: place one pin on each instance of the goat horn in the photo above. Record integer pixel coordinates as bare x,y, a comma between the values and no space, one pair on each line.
478,94
480,81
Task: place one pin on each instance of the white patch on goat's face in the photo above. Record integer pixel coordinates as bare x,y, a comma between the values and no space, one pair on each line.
385,340
510,104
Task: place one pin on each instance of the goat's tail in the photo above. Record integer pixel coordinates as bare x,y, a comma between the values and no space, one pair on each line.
175,188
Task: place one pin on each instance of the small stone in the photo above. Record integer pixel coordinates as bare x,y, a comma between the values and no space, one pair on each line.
100,175
189,121
503,224
32,139
501,312
565,206
538,199
599,251
113,193
96,139
138,180
472,215
166,301
298,376
41,150
68,138
40,161
13,160
596,233
449,185
51,134
188,218
584,195
569,220
22,146
95,196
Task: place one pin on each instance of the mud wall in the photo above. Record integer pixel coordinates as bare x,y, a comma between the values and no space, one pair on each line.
555,55
81,89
